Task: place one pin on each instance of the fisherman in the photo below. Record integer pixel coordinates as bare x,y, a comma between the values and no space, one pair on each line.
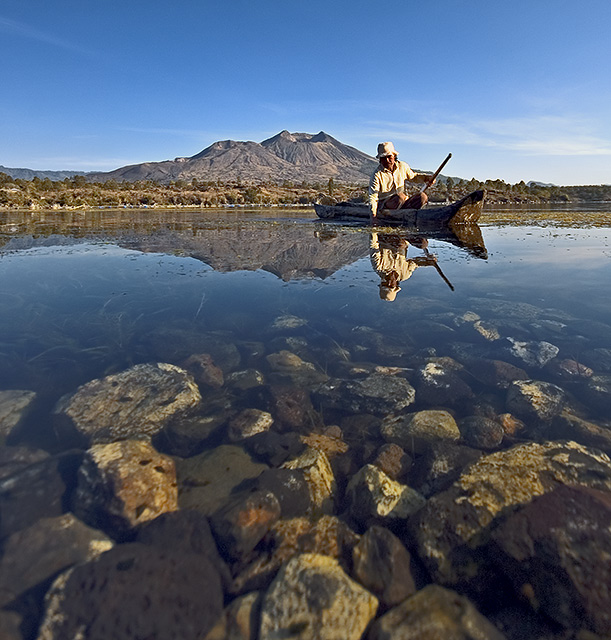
387,184
388,254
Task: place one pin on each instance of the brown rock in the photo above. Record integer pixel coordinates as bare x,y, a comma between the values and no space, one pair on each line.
123,484
382,565
205,372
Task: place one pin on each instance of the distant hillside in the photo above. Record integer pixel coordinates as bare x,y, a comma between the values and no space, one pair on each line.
295,157
30,174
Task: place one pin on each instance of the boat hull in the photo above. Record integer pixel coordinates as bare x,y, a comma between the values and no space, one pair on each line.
467,210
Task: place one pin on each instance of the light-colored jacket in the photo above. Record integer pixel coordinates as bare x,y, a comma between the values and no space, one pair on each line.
384,184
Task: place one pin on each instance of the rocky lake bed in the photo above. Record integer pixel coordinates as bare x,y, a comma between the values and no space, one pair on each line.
218,429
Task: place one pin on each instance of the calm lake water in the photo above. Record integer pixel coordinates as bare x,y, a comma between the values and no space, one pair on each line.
84,294
89,293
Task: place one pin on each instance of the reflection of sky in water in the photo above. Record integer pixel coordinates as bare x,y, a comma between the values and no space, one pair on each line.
75,312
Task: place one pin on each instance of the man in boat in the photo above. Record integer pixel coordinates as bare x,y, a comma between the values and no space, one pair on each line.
387,184
388,254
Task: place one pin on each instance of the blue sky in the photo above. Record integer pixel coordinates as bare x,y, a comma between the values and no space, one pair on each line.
515,90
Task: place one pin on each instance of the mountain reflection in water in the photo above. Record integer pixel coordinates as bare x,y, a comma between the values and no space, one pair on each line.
505,344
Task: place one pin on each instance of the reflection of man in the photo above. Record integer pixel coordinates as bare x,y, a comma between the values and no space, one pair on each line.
388,253
387,184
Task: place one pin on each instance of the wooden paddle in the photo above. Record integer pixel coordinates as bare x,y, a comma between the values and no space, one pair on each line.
434,176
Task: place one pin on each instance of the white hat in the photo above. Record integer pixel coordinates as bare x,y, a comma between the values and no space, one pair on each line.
386,149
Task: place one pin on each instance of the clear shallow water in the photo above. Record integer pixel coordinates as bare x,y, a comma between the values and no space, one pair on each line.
81,294
86,294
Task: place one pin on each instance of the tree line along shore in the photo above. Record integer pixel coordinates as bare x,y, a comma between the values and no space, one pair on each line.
78,193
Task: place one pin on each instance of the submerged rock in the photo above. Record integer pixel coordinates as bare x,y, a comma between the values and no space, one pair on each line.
535,399
532,354
560,545
43,550
481,432
313,599
438,384
415,432
134,403
378,394
371,494
14,406
434,613
135,591
248,423
455,523
382,565
319,477
123,484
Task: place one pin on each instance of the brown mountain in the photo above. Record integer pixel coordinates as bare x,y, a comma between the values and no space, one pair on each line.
296,157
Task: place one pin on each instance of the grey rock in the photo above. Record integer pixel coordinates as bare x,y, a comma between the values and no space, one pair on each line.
248,423
532,354
438,384
371,495
481,432
434,613
37,490
134,403
14,406
43,550
123,484
415,432
535,399
246,379
378,394
319,477
312,598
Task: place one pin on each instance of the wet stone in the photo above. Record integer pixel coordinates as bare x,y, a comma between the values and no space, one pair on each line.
10,625
34,488
43,550
190,435
312,596
417,431
599,359
495,373
376,394
372,495
440,466
245,379
288,322
382,565
240,524
134,403
567,426
135,591
186,530
319,477
560,545
123,484
274,448
454,524
535,399
480,432
240,619
292,407
207,480
598,392
205,372
14,407
392,460
248,423
289,365
437,384
290,488
432,613
569,370
532,354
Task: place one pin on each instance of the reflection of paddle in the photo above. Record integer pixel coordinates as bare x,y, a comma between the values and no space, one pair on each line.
434,176
439,271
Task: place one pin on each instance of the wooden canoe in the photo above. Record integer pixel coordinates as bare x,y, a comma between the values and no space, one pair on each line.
464,211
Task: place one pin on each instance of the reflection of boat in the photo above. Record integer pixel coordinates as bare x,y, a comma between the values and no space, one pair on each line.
463,211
